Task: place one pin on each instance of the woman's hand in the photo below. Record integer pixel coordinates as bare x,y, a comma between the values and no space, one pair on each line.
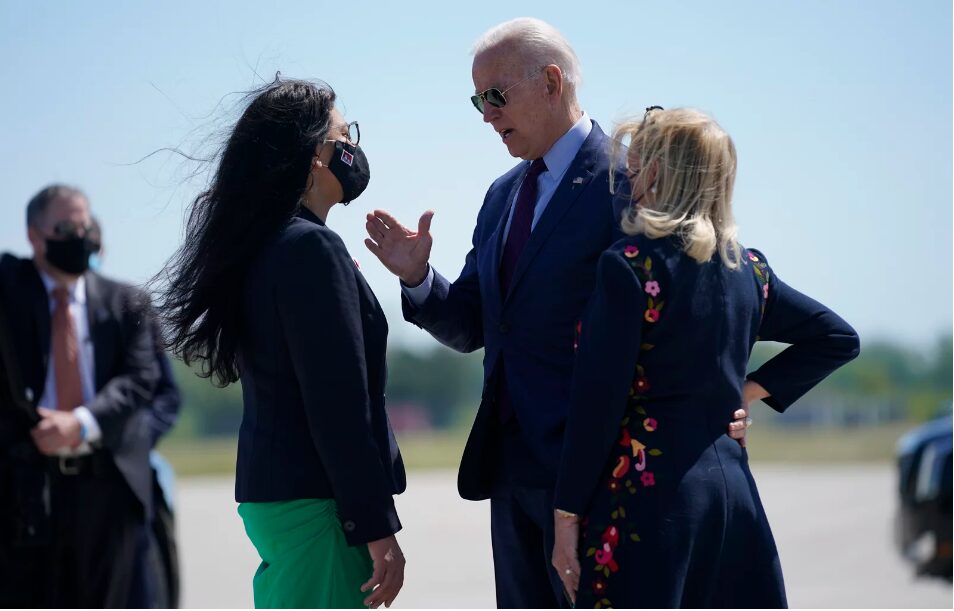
751,391
565,559
388,574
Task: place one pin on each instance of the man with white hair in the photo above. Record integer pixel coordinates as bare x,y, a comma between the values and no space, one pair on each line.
523,288
524,285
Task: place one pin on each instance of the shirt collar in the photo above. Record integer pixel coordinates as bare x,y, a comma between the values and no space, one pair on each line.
564,150
77,290
308,215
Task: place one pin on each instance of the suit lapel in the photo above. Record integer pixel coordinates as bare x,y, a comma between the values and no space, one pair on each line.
95,314
40,314
497,237
574,183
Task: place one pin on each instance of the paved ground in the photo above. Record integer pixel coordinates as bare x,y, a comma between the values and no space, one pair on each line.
832,526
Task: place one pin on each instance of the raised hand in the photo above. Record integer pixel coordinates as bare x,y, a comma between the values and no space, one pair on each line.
404,252
388,575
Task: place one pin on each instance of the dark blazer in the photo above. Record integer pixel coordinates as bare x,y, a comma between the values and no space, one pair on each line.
531,327
125,364
692,359
313,371
663,353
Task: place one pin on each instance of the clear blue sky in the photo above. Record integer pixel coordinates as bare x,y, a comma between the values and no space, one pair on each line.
841,112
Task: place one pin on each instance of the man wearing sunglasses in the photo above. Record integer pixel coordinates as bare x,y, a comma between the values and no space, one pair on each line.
524,286
77,488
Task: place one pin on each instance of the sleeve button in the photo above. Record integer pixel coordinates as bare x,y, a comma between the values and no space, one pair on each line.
349,526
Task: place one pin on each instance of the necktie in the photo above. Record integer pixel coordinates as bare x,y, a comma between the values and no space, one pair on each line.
69,388
516,241
520,224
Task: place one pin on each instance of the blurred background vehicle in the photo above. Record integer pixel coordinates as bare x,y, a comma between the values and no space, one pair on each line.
923,523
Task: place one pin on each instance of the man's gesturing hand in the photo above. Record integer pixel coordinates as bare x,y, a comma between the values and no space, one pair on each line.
404,252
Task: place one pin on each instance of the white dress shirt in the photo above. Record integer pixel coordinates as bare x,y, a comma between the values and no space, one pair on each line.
78,312
558,160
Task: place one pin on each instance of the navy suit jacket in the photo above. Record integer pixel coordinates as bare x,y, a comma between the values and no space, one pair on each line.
125,363
532,326
312,356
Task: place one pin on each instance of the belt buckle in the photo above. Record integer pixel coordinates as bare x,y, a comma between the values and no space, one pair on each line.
69,465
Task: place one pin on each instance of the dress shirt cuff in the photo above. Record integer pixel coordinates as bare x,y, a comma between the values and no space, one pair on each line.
90,427
418,294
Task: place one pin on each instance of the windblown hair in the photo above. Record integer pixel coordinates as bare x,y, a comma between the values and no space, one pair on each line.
695,165
539,43
261,176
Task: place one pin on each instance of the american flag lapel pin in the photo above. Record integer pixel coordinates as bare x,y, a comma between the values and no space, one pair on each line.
578,181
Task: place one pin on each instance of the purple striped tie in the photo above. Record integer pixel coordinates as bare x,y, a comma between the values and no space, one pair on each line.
520,224
516,241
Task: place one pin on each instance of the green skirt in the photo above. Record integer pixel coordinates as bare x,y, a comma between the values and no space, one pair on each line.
306,562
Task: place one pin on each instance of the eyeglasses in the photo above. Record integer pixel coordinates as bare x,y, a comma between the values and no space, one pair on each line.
354,133
494,96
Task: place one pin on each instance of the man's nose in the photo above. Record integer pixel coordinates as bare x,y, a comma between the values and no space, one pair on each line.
491,112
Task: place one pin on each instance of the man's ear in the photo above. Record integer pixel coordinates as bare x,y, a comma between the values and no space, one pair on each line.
33,234
554,79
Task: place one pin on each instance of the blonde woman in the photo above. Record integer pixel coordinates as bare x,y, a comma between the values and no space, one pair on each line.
654,505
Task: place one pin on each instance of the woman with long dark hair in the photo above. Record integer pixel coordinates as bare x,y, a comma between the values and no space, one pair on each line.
264,292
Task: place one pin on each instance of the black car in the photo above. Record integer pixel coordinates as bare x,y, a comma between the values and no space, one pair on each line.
923,524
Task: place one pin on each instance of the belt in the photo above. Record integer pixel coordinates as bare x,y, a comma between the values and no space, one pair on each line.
71,466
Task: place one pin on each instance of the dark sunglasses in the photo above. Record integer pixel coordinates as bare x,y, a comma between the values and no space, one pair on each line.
69,229
494,96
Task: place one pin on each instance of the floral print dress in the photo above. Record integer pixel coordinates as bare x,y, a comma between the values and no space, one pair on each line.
672,516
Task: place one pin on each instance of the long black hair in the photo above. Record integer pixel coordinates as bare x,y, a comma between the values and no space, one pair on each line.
258,184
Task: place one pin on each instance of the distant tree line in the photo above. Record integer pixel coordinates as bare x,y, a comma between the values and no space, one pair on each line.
440,388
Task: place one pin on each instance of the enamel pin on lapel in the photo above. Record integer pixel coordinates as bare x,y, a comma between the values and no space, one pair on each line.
578,180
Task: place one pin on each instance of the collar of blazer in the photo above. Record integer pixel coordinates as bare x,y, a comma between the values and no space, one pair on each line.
578,176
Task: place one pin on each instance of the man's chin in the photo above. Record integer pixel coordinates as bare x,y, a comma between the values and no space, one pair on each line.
515,150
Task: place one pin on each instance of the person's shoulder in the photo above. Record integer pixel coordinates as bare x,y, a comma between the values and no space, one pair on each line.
507,179
640,246
134,294
754,255
303,233
303,243
10,262
123,299
17,271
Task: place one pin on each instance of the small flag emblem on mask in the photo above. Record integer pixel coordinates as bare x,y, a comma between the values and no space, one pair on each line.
347,157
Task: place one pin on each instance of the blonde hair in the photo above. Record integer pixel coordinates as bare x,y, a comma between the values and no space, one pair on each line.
539,43
694,161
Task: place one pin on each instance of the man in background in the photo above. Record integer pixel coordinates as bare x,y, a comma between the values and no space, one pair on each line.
79,477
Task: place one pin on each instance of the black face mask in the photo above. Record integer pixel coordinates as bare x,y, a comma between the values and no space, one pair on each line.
350,166
70,256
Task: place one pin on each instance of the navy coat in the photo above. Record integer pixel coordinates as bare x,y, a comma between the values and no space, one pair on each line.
532,326
672,513
313,371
